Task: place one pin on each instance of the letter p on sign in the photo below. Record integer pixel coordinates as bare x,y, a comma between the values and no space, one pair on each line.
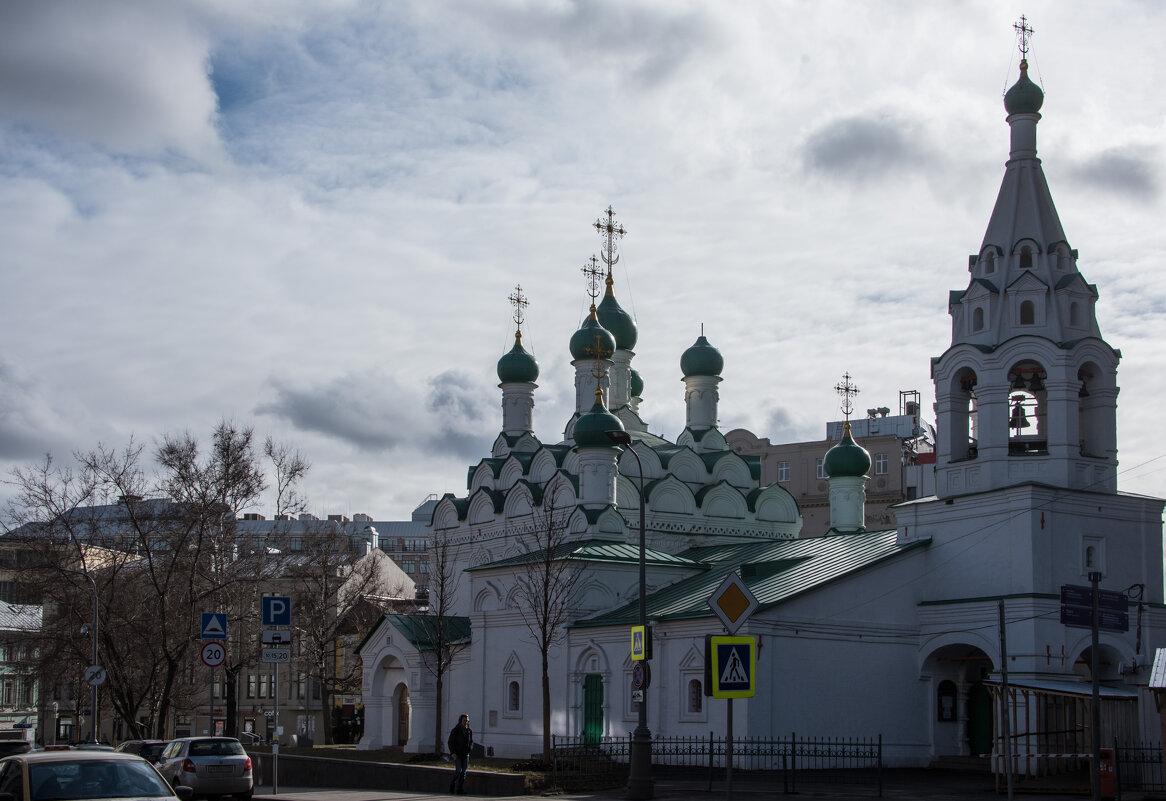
276,610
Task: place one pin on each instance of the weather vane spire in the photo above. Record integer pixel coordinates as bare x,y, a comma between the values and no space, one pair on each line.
594,276
611,231
1023,34
519,302
847,390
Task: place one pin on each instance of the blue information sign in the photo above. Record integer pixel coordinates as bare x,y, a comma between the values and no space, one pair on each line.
276,610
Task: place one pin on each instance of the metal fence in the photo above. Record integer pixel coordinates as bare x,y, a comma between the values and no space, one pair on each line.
1138,768
791,761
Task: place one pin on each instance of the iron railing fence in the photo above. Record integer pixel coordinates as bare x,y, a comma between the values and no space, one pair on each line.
1138,768
793,762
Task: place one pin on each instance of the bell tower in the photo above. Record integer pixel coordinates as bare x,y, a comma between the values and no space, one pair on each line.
1027,392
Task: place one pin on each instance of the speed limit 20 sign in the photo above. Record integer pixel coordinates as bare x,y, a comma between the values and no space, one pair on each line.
214,654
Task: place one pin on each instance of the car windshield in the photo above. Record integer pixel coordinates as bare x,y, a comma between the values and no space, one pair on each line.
94,778
152,750
216,748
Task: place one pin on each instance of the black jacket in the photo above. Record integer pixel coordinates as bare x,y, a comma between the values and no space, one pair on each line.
461,740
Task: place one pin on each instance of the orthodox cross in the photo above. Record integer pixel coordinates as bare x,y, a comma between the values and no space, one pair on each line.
847,390
611,231
594,276
1023,34
600,353
519,302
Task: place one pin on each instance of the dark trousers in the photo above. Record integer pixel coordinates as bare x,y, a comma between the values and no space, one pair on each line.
460,765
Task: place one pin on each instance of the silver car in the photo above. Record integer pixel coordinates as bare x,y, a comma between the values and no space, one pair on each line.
80,775
213,766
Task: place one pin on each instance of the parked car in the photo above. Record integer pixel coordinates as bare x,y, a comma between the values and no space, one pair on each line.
79,775
9,747
149,750
212,766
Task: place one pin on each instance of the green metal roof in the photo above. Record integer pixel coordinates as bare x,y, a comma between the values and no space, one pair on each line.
776,572
419,630
596,551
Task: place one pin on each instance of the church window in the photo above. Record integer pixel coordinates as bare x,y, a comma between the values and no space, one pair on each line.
1026,258
1092,555
513,697
820,469
977,319
1027,313
695,696
881,462
783,471
1074,313
990,263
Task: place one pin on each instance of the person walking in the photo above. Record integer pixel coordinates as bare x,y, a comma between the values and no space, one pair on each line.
461,742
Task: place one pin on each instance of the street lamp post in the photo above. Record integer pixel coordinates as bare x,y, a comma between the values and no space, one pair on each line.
93,716
640,785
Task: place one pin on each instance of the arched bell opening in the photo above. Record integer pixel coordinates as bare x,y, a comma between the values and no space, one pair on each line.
1027,413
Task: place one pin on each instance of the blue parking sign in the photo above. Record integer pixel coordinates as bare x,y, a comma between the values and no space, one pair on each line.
276,610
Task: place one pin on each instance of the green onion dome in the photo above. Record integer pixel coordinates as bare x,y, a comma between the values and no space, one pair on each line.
616,320
591,429
517,365
584,342
847,458
701,359
637,384
1025,97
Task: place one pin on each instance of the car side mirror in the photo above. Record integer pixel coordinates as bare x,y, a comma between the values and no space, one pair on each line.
183,792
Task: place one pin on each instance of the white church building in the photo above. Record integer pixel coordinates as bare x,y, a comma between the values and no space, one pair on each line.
861,632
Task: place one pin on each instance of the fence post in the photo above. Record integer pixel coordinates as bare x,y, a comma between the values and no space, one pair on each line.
880,766
1116,771
793,761
710,760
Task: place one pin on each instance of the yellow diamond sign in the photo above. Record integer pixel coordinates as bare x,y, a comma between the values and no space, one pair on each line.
732,602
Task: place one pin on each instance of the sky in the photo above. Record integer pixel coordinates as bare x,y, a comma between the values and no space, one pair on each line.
307,217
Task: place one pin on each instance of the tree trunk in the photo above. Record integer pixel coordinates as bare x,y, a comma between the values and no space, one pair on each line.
437,713
546,709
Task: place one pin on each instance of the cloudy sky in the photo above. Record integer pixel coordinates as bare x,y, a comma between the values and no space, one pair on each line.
308,217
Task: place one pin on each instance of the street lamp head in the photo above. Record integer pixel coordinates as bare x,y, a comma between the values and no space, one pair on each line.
619,437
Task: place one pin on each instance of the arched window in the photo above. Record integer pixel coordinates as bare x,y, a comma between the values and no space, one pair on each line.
1074,313
1027,313
977,319
513,697
695,696
990,262
1026,258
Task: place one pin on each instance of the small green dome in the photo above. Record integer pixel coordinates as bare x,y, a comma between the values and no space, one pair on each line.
583,341
701,359
637,384
617,321
517,365
847,458
591,429
1025,97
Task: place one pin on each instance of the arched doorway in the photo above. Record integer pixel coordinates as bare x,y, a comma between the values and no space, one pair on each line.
404,714
961,704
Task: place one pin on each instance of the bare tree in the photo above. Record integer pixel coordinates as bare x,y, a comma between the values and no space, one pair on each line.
290,468
440,633
546,582
336,589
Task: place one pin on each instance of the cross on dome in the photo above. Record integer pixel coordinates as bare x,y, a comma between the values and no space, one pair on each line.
847,390
519,302
611,231
1023,34
594,276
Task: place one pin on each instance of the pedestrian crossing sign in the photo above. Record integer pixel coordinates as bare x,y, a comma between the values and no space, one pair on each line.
731,664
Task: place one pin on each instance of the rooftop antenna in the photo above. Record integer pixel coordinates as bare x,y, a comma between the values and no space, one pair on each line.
847,390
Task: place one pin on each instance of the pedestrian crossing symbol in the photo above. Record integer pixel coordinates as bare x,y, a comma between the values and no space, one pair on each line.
732,666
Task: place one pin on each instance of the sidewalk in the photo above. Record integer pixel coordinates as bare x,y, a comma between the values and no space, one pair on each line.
898,785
